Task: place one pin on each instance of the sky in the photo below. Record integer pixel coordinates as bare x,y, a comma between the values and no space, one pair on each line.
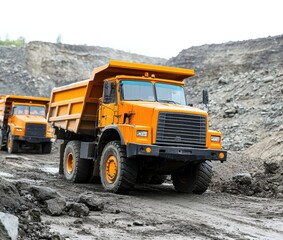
156,28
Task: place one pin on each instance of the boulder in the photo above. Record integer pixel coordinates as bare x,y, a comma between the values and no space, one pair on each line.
8,226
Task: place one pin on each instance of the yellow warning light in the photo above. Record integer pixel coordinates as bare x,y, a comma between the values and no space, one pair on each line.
153,75
148,149
221,155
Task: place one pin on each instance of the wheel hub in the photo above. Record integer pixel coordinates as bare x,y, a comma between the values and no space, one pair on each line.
9,143
111,169
70,163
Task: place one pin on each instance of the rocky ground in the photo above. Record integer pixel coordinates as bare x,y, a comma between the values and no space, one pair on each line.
245,82
43,205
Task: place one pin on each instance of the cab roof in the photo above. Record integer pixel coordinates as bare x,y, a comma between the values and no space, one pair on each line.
12,98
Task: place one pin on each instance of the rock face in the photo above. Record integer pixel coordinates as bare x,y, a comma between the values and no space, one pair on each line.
38,66
245,81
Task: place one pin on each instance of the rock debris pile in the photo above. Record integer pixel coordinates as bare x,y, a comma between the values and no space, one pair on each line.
28,203
268,183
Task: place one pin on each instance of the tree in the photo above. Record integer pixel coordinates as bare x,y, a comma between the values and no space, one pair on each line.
59,39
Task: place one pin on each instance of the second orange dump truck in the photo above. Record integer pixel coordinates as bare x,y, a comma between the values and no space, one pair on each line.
23,124
131,123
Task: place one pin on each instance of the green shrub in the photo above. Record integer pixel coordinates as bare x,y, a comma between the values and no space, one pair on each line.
18,43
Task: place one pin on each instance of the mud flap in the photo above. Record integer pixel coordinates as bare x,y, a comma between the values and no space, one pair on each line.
62,149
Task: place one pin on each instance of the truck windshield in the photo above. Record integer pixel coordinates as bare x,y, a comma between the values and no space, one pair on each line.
137,91
29,110
144,91
170,93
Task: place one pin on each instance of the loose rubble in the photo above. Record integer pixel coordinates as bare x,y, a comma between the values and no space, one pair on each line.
268,183
28,203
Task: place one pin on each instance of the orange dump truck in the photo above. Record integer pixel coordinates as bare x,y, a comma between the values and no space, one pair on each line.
23,124
130,123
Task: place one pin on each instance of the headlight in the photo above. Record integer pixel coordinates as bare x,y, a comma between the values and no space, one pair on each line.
215,138
50,130
18,129
141,133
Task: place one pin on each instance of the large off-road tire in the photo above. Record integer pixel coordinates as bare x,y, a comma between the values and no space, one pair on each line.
2,145
75,169
12,145
117,173
46,147
193,178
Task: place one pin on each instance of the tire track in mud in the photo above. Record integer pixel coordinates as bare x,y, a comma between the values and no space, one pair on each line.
207,213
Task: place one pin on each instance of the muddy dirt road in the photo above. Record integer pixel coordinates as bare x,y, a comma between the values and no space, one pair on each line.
149,212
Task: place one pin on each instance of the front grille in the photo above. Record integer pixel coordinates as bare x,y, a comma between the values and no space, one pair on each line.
179,129
35,130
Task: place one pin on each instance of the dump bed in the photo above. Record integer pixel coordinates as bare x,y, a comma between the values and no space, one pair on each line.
75,107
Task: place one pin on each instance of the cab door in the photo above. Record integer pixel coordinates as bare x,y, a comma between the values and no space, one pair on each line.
109,107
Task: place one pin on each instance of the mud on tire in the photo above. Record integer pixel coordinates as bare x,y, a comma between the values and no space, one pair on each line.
193,178
75,169
118,174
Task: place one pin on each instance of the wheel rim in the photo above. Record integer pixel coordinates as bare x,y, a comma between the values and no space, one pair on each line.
111,169
70,163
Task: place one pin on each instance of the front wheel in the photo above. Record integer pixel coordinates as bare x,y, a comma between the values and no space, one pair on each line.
13,145
46,147
117,172
193,178
75,169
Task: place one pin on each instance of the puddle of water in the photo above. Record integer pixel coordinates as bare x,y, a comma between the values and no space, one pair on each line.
47,169
30,181
7,175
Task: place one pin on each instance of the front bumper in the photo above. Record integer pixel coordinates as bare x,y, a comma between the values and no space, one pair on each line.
175,153
32,139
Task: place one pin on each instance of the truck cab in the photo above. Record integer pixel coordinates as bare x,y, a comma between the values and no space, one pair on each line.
24,125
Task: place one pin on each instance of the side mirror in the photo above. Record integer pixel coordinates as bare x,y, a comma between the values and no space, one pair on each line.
205,96
6,111
106,92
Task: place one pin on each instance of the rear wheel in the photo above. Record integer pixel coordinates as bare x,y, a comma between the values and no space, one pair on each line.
2,145
193,178
46,147
13,145
118,173
75,169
